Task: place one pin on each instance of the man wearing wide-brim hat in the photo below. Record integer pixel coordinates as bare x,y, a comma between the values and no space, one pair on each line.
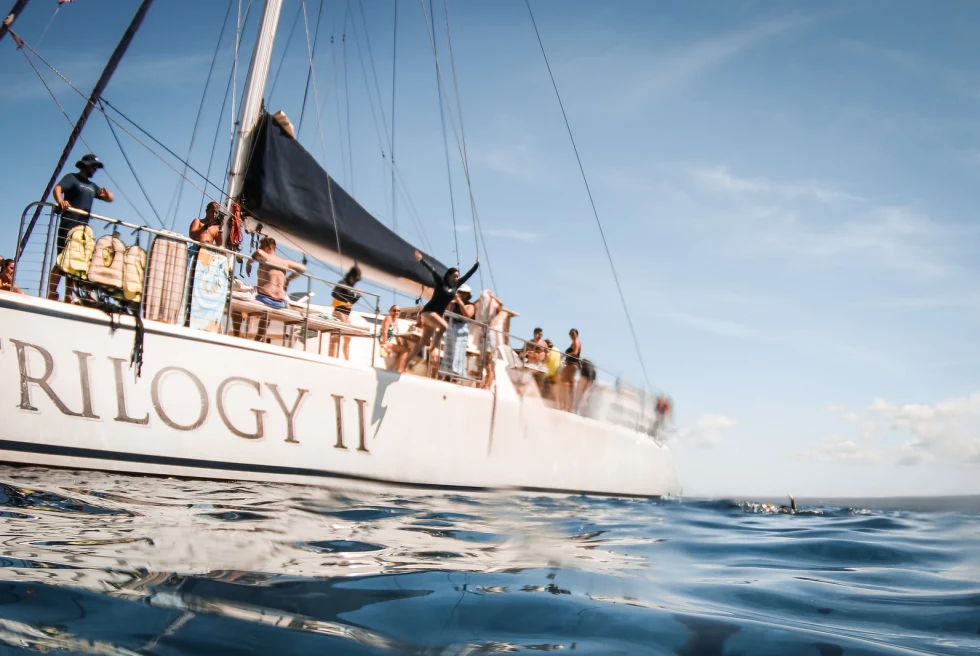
76,190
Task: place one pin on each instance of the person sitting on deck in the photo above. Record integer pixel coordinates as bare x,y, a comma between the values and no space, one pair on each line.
535,351
444,290
344,297
388,337
7,277
76,190
272,282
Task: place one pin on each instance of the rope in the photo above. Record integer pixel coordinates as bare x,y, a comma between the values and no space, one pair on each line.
200,110
316,99
51,20
68,118
132,170
595,212
460,145
343,45
445,143
285,50
336,85
309,72
391,145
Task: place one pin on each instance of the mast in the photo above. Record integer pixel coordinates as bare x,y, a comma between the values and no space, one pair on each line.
258,71
11,17
100,86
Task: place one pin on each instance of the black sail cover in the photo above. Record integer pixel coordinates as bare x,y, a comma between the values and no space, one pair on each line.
287,190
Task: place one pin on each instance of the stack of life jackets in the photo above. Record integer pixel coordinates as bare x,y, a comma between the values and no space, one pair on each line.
106,262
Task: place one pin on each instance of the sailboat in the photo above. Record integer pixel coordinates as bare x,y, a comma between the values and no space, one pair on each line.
133,391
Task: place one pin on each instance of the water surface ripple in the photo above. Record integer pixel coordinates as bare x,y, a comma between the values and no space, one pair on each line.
108,564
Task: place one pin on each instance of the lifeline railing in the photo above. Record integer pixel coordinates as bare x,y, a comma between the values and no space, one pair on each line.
47,256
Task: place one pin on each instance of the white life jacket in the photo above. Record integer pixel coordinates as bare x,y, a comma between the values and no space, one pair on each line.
76,257
107,262
134,268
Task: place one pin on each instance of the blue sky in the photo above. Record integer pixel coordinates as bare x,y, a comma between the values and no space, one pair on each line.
789,191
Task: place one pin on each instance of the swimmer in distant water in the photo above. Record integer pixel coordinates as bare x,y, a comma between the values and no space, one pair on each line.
772,508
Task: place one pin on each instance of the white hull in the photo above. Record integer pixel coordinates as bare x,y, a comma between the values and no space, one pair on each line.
214,406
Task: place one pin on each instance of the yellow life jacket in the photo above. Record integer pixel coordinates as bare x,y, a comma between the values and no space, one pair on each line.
76,257
107,262
134,267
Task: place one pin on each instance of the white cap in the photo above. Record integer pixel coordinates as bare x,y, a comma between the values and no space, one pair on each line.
465,289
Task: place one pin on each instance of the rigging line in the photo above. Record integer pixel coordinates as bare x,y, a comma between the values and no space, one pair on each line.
374,115
595,212
285,50
45,30
478,228
340,129
445,140
200,111
343,45
234,71
24,44
217,128
477,223
312,49
374,72
391,145
316,99
132,170
80,137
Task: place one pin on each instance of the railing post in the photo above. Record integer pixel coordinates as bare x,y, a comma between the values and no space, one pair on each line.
45,269
306,315
231,279
146,274
377,315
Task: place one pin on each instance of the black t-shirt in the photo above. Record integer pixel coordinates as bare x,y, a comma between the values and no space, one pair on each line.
345,295
79,192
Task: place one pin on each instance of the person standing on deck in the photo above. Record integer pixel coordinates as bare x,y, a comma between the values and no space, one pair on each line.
344,297
572,365
444,290
76,190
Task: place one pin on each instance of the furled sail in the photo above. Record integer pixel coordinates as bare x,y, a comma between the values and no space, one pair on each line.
294,200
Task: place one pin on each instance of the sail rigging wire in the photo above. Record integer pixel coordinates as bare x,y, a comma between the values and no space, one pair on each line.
391,145
48,26
132,170
234,75
336,97
285,51
309,71
461,147
217,128
445,142
343,45
200,111
316,99
80,137
595,212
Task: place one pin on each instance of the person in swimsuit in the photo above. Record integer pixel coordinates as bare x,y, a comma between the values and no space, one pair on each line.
274,276
444,289
573,363
389,336
7,277
344,297
585,381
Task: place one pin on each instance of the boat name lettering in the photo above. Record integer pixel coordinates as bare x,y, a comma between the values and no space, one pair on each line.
187,381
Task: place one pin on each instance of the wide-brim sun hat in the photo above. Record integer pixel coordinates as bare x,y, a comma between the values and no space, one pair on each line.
89,160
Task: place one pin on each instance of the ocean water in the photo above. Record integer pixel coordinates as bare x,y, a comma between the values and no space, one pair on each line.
109,564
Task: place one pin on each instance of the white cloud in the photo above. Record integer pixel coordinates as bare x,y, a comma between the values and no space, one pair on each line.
708,431
836,449
946,431
720,179
513,234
